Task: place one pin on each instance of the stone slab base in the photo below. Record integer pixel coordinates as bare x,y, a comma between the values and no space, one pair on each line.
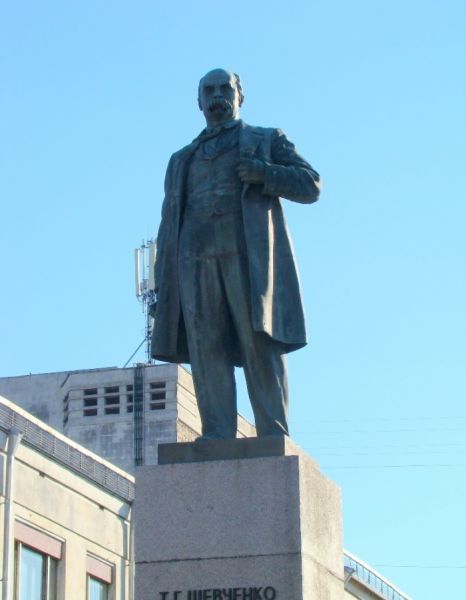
267,526
241,448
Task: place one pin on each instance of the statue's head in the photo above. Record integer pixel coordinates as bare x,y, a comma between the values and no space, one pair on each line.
220,96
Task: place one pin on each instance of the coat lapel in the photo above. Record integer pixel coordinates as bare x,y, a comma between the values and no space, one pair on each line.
249,140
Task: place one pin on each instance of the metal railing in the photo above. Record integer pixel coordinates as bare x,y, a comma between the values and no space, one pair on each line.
366,575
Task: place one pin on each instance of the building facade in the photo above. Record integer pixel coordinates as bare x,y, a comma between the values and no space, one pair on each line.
65,516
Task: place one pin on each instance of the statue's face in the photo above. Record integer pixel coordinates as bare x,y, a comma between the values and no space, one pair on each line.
219,98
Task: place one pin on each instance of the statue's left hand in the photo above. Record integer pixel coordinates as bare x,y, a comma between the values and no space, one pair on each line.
251,170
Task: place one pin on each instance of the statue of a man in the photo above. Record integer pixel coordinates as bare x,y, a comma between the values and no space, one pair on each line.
226,281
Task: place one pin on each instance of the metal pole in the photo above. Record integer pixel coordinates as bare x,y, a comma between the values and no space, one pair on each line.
132,560
14,439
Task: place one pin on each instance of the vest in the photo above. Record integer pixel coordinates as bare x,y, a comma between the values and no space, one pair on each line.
213,186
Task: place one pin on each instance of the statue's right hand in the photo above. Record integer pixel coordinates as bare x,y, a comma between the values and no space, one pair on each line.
251,170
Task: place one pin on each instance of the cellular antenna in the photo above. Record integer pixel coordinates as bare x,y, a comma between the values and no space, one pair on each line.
144,261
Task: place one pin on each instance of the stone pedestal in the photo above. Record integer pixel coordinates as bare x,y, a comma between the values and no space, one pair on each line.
248,519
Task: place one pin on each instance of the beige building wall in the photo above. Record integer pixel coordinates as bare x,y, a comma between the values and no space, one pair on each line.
355,590
66,498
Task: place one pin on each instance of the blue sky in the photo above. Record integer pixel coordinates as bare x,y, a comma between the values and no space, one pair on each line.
94,98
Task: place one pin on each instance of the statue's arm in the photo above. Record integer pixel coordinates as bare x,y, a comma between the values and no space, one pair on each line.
288,175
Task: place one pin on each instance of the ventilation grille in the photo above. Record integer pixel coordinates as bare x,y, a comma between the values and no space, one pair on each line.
67,455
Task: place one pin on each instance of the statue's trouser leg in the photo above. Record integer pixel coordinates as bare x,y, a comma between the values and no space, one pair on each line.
208,326
267,383
264,363
215,299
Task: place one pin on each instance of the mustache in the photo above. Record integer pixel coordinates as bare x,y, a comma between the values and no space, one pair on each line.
220,104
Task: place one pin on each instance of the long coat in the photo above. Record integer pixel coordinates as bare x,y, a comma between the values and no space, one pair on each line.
276,304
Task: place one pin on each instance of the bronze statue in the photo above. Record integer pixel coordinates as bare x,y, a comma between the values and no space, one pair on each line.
227,287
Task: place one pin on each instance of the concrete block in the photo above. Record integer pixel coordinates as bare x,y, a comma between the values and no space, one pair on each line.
240,578
212,520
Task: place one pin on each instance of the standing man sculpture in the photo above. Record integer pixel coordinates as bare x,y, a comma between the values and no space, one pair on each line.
226,282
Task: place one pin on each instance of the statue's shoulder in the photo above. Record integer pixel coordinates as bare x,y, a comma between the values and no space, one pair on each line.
262,131
183,152
253,137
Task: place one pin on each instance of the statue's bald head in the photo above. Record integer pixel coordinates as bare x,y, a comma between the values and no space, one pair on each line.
220,95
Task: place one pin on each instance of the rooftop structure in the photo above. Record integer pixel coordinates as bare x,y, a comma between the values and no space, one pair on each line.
365,583
120,414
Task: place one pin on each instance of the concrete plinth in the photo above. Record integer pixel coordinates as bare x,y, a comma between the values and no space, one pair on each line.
263,527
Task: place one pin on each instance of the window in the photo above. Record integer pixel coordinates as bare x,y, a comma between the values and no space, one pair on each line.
96,590
36,575
90,412
114,389
99,578
37,556
157,405
112,400
90,402
157,395
90,392
66,409
157,385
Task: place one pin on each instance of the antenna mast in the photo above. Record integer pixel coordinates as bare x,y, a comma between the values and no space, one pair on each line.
144,261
